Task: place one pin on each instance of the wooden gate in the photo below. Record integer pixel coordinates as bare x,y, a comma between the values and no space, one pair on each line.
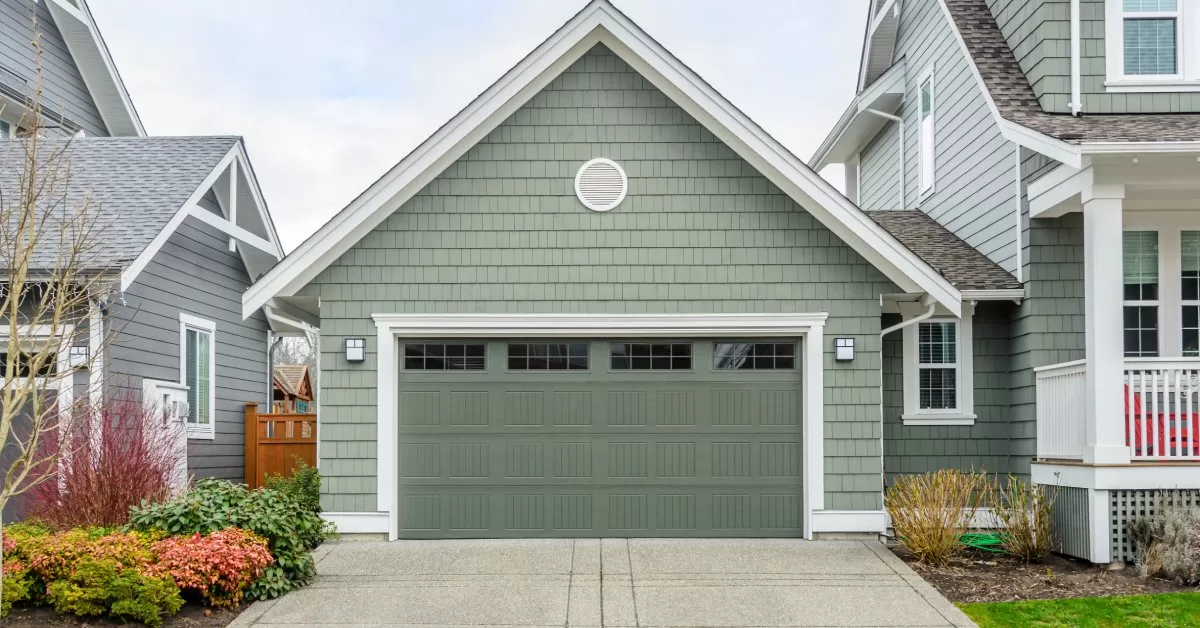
275,441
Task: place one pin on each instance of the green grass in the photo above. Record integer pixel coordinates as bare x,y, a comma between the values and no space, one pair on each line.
1168,609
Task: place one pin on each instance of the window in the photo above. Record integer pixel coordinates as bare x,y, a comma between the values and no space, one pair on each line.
1146,45
546,356
926,138
445,357
1140,311
938,371
5,130
732,356
651,356
198,356
25,365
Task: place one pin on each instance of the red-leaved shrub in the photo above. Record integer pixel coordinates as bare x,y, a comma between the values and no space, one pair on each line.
219,567
55,556
119,456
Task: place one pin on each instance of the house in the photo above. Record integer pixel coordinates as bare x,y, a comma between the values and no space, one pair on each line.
181,232
1061,140
291,389
601,301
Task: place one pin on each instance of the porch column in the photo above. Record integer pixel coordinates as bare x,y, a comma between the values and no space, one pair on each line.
1103,285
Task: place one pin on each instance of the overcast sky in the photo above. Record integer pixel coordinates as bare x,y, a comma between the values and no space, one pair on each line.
329,94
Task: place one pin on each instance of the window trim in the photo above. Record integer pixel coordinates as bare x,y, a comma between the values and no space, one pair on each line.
200,431
487,359
750,341
1163,266
924,144
1187,58
1169,225
540,341
964,414
643,341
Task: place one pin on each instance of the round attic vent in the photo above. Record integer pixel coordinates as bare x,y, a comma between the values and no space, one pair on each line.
601,184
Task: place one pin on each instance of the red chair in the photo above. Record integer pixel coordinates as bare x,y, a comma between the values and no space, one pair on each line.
1166,424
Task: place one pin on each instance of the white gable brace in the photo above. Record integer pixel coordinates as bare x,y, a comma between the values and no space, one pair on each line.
600,22
235,169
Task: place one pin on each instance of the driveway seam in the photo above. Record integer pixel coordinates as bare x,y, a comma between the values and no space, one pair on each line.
601,550
570,584
632,587
943,606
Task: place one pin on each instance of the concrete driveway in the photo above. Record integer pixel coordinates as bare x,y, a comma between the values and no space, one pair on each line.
609,582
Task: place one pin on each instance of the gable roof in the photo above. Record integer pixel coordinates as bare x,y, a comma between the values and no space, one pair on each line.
133,185
290,379
74,21
960,263
600,22
1014,99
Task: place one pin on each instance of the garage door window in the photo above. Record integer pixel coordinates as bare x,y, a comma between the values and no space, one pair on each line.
548,356
644,356
758,356
444,357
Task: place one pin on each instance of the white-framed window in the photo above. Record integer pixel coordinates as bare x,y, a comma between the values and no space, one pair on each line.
926,140
939,371
197,371
1152,45
1140,300
1189,293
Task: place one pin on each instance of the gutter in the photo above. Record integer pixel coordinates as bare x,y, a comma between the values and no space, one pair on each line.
900,128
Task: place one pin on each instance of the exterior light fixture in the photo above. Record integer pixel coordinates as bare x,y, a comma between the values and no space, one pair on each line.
843,349
356,349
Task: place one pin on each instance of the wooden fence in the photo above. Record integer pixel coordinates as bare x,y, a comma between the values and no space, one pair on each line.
274,441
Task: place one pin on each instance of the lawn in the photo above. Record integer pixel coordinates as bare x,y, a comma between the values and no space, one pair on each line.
1168,609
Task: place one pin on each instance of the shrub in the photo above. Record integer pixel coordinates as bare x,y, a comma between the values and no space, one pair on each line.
54,557
1178,538
304,485
290,530
931,511
100,586
1025,511
132,462
16,582
219,567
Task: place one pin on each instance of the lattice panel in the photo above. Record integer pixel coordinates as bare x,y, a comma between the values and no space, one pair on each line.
1132,504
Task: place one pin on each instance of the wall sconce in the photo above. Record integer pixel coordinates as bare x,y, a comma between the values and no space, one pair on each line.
77,357
356,349
843,349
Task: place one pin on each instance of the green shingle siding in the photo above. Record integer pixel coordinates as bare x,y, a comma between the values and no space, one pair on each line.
1039,33
501,231
983,446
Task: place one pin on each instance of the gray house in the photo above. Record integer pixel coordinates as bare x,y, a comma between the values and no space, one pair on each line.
1060,139
601,301
182,227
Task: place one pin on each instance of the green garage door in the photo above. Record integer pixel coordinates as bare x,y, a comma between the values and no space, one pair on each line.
576,438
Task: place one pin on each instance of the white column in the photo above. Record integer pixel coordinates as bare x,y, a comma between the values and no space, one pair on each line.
813,426
385,428
1103,284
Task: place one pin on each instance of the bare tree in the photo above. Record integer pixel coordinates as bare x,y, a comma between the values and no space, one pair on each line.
51,241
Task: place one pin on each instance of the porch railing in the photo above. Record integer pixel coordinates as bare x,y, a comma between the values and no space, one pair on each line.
1161,399
1061,410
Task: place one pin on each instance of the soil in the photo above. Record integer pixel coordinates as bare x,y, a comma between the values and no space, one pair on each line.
984,577
190,616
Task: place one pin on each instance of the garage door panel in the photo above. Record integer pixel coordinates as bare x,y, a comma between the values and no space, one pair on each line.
497,452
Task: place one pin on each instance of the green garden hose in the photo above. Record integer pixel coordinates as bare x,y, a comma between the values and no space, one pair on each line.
986,541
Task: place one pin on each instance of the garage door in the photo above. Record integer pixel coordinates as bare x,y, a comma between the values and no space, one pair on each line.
577,438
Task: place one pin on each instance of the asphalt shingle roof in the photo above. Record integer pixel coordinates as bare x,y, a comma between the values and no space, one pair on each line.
132,185
960,263
1015,99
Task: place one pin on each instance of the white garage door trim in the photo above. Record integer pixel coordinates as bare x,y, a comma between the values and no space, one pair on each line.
391,327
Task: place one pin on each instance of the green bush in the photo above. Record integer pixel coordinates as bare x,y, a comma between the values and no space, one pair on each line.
96,587
304,485
17,583
291,530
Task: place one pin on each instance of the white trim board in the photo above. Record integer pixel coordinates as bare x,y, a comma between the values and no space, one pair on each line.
600,22
392,327
358,522
1117,477
850,521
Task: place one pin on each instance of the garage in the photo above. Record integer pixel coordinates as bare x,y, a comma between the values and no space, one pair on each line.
617,437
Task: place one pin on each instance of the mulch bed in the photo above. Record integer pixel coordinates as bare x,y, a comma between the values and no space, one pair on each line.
984,577
190,616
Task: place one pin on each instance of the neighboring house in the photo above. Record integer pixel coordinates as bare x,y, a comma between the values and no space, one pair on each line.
182,232
291,389
601,301
1061,140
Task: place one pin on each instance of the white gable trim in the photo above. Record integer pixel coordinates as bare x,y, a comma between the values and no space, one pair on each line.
599,22
235,159
96,66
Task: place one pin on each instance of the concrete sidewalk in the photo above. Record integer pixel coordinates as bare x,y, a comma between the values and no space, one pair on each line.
609,582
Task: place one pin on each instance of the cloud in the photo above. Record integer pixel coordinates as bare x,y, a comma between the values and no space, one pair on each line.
330,95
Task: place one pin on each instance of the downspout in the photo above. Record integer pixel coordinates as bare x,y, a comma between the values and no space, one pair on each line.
900,131
1076,80
271,346
912,321
898,326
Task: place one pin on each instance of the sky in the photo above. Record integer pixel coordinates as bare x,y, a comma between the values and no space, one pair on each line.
330,94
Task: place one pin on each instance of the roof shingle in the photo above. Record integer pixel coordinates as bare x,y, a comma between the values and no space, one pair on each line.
960,263
1016,101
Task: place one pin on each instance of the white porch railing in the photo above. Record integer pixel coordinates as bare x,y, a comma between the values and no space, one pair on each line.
1061,410
1161,399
